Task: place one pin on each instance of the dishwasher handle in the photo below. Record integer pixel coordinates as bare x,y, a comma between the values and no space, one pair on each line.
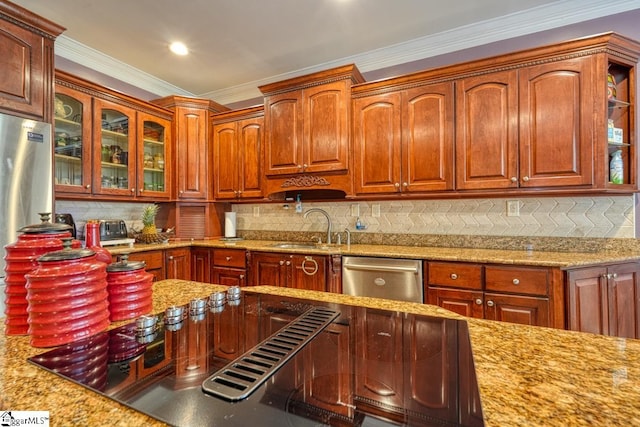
381,268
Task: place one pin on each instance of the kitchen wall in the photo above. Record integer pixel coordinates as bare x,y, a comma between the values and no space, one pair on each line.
590,217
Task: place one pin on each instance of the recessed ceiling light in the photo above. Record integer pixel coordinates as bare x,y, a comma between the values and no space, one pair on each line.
178,48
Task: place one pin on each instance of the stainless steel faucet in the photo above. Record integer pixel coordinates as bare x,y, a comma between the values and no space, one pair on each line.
323,212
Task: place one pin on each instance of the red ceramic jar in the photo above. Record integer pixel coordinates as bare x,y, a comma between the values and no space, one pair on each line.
67,297
129,287
92,241
21,258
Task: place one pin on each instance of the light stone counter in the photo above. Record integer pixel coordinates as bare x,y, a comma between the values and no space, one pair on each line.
528,376
563,259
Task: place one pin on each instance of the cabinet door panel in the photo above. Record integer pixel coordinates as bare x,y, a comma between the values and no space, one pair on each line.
228,276
556,124
201,265
377,133
225,158
588,300
250,167
487,131
267,269
326,128
191,147
517,309
178,264
283,147
624,301
309,272
466,303
427,138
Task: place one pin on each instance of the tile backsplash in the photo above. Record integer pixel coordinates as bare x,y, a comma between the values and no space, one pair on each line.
591,217
579,217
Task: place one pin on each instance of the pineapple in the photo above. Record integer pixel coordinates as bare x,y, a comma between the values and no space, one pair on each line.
149,232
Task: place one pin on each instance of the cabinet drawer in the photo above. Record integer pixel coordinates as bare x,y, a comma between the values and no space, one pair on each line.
519,280
229,258
152,259
456,275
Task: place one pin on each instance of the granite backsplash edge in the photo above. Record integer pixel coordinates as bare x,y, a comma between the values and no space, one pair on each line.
548,244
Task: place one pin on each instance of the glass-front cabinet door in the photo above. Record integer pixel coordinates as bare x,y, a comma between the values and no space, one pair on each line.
72,141
114,162
620,125
153,156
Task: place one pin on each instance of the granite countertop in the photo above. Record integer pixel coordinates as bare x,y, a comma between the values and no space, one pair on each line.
563,260
529,376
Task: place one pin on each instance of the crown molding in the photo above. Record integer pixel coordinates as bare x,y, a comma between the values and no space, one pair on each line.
533,20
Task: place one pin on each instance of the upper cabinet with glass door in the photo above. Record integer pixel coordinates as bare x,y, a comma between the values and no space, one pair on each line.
114,166
153,156
72,141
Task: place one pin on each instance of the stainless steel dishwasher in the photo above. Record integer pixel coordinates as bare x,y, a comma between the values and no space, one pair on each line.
390,278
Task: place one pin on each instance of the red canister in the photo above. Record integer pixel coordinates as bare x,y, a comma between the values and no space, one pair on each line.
129,287
21,258
67,297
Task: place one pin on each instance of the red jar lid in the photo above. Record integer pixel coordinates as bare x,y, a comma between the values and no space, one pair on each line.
45,227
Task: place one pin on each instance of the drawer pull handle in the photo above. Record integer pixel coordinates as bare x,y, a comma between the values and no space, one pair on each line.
228,258
490,303
314,269
516,281
453,276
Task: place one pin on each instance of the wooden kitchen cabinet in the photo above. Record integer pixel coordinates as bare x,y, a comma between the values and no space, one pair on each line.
154,263
229,267
289,270
191,140
101,140
308,131
201,264
178,263
517,294
605,300
403,140
237,154
27,52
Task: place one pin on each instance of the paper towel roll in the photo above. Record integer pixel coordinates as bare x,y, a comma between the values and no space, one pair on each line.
229,224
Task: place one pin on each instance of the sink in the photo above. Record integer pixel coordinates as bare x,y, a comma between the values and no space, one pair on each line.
298,245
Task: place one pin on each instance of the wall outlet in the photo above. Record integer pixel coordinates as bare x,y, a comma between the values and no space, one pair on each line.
256,211
375,210
513,208
355,210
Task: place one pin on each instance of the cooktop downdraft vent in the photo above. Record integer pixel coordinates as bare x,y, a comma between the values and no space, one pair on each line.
241,377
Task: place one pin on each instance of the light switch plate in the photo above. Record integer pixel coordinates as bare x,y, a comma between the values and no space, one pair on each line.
375,210
355,210
256,211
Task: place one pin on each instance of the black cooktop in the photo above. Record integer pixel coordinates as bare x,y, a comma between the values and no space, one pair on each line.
360,367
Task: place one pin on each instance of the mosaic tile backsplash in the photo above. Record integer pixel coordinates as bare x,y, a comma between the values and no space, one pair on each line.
564,217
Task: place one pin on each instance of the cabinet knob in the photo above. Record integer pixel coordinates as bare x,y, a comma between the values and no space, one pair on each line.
614,275
133,190
288,262
88,186
516,281
239,192
397,185
180,192
525,178
304,166
281,262
453,276
479,301
228,258
606,276
299,166
141,190
241,277
490,303
170,257
514,179
405,184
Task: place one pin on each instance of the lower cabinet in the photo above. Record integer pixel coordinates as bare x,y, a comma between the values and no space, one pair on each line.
229,267
605,300
178,263
154,263
519,294
201,265
289,270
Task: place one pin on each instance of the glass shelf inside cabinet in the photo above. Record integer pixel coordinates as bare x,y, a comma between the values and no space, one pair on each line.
115,150
68,140
617,108
153,161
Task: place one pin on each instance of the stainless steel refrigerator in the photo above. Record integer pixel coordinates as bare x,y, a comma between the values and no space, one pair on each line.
26,180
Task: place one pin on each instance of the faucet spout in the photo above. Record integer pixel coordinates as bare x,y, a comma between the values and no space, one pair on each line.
326,215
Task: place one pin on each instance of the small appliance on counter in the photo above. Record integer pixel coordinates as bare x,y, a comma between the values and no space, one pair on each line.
65,218
114,232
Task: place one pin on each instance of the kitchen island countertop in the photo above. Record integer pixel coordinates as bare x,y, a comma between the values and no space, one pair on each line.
564,260
529,376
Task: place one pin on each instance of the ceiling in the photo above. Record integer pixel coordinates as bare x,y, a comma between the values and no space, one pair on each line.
235,46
